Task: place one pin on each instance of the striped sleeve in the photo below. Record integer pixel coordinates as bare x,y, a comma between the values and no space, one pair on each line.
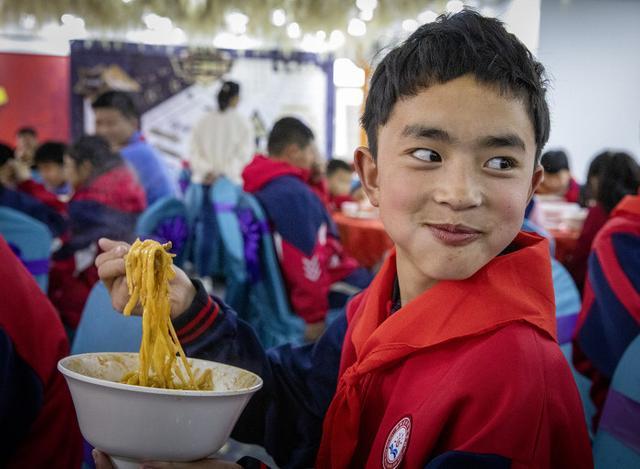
200,316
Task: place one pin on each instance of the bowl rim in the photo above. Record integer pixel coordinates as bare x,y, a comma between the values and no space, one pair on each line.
68,373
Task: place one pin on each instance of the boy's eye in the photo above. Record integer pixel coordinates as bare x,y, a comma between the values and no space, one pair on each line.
426,155
501,162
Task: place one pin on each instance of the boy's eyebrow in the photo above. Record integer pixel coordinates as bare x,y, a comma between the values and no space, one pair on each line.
490,141
422,131
501,141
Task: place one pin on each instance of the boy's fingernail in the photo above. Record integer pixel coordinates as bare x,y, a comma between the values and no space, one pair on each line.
94,455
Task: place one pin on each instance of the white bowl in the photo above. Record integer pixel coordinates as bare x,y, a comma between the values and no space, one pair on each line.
135,423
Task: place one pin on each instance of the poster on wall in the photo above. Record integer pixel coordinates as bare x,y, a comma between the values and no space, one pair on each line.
175,87
34,93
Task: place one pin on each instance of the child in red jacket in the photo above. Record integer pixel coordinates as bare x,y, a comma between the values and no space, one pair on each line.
449,358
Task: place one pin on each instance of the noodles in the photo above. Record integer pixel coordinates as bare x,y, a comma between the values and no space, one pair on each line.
149,270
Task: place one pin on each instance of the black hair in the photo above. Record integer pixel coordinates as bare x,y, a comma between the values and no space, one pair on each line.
6,153
50,152
228,91
27,131
286,131
596,167
448,48
554,161
620,177
336,165
119,100
96,151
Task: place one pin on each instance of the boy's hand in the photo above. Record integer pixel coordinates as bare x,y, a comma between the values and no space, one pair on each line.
102,462
111,270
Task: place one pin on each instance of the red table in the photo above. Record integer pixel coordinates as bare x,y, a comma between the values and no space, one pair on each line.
363,238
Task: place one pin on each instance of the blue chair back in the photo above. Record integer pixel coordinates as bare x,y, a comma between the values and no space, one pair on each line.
255,289
167,220
206,246
617,443
224,199
30,240
103,329
567,310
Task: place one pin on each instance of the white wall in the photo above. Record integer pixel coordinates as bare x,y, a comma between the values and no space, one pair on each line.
591,49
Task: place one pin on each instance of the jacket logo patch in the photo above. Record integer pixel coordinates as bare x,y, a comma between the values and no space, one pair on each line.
311,268
397,443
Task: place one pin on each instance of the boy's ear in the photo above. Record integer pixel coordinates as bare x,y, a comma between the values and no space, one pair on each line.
368,172
536,180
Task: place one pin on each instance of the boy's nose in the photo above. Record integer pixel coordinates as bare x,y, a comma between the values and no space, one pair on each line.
458,188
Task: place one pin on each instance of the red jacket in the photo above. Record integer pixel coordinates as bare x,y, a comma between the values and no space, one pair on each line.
311,256
470,367
36,411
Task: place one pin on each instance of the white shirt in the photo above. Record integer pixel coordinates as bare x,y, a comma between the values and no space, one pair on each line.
222,143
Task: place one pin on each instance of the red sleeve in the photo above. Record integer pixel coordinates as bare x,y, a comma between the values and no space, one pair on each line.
39,192
53,439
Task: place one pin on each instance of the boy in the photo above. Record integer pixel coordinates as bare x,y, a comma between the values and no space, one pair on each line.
449,358
26,144
310,254
610,316
339,174
19,192
117,121
49,161
557,177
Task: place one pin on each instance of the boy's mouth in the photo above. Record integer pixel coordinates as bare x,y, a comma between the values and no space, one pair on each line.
454,235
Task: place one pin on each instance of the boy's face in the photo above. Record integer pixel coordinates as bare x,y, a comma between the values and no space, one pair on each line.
52,174
454,173
26,145
340,182
301,157
114,127
76,174
555,183
6,174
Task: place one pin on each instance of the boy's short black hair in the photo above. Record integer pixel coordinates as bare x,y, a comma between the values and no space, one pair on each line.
554,161
450,47
336,165
96,151
6,153
286,131
27,131
50,152
119,100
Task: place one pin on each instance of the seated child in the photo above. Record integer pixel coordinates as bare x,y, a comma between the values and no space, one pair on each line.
449,358
19,192
310,254
339,175
107,201
610,316
619,177
49,161
557,177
